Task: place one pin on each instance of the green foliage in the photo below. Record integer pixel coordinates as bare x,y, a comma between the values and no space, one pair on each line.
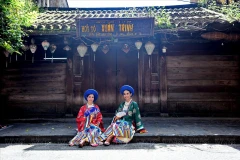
15,14
232,10
162,17
202,3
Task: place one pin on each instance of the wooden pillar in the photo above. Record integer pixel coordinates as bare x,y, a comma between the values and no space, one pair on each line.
163,85
69,85
91,68
77,82
140,81
3,98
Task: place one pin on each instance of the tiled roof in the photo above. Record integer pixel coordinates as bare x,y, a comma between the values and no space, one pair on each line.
63,21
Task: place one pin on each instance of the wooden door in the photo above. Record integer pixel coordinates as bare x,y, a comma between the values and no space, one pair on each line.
112,70
127,64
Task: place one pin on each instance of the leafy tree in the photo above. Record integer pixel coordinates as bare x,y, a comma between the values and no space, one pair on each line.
15,15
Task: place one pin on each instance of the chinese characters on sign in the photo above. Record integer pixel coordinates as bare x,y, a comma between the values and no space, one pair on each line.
115,27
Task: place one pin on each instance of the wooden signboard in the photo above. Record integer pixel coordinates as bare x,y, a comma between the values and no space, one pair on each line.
115,27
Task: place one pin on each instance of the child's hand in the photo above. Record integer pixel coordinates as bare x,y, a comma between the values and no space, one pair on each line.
116,118
92,110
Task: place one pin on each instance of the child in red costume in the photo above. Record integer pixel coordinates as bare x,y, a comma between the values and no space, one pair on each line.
89,121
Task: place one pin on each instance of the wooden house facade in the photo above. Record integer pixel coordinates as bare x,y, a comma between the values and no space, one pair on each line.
192,71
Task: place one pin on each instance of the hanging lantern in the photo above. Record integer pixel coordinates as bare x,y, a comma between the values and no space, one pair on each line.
53,48
25,48
67,48
45,45
33,49
149,46
138,45
82,49
6,54
94,47
164,49
126,48
105,49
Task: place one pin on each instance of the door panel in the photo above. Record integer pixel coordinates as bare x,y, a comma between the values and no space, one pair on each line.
105,79
128,72
112,70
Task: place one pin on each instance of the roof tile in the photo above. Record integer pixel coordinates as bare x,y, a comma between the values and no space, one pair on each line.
183,18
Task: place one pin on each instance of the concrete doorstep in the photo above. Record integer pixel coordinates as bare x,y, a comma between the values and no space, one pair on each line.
137,139
160,130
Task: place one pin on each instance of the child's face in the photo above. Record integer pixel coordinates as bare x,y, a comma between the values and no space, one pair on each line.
90,98
127,95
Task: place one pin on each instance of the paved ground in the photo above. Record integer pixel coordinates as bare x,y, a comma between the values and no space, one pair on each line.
132,151
160,130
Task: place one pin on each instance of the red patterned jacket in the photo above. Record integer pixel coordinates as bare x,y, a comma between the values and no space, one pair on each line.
81,120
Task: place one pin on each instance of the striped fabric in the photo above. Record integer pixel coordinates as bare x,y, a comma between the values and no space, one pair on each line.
122,131
91,134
